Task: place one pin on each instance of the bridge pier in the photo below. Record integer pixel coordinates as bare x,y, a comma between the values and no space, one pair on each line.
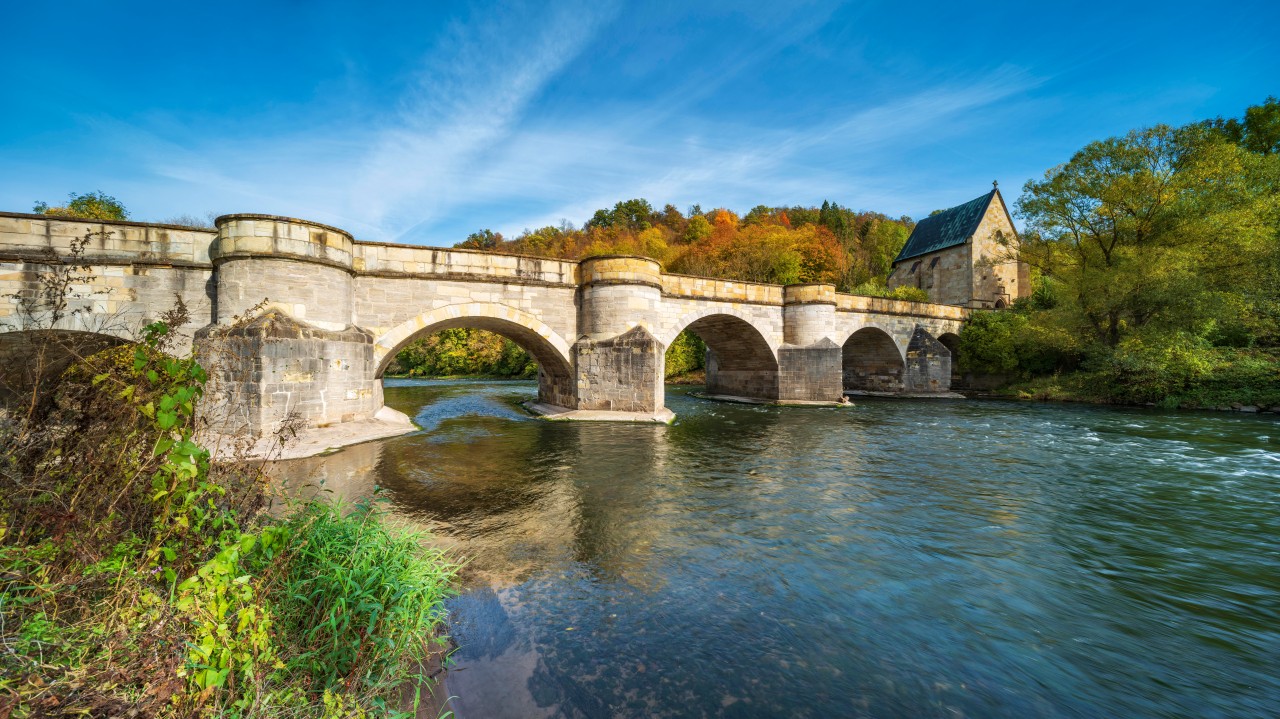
928,365
809,368
300,358
618,360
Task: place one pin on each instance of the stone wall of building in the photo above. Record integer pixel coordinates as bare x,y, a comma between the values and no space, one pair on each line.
944,274
997,277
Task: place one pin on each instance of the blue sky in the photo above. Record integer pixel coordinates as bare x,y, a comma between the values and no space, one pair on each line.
423,122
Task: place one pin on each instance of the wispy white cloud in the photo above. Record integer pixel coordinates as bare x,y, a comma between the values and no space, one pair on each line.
470,97
739,166
465,140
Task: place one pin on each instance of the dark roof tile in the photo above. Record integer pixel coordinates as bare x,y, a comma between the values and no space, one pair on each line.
946,229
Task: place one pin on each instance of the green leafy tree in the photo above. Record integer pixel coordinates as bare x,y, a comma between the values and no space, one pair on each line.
1258,131
636,214
1154,227
90,205
481,240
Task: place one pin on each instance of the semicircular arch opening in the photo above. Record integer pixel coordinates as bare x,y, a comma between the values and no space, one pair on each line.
739,361
872,362
548,349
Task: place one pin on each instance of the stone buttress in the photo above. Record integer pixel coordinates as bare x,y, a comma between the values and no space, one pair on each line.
300,357
617,360
809,367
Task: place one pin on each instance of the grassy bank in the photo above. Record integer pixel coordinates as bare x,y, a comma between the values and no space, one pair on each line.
1220,379
137,578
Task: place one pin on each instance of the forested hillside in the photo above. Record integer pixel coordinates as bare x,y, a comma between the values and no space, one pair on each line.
781,245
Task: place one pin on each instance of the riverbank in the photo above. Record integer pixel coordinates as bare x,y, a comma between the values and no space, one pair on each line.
1085,388
146,579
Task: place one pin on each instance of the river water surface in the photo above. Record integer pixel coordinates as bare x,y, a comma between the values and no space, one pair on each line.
899,558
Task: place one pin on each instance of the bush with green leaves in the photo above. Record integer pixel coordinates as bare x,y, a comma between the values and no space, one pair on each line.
142,577
686,354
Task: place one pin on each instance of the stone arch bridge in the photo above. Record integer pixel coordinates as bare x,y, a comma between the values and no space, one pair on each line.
333,311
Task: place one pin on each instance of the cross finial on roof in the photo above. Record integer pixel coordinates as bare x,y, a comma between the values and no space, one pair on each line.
995,183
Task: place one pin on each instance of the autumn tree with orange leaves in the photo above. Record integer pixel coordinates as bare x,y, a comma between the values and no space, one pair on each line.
779,245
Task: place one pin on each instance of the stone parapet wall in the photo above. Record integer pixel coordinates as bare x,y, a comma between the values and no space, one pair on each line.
884,305
710,288
391,260
30,236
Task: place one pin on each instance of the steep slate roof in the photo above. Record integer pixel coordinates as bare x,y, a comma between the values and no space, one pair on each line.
946,229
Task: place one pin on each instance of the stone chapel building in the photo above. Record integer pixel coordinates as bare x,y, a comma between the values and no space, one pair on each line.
957,256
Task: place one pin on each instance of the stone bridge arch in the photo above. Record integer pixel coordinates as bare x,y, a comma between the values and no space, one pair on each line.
741,362
951,341
545,345
895,358
872,360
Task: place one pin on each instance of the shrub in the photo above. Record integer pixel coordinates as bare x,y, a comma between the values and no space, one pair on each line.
141,579
355,597
872,288
686,354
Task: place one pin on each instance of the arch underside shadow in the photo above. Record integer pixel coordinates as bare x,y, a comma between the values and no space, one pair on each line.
549,351
951,341
28,357
739,361
872,362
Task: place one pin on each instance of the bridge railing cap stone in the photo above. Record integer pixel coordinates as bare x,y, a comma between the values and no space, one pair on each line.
619,257
96,221
223,219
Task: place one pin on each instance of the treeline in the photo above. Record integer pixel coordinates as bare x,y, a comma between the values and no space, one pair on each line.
463,352
1156,271
781,245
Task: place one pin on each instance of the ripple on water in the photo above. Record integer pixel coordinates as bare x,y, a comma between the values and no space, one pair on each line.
900,558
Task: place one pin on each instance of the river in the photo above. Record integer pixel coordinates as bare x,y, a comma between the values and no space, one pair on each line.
898,558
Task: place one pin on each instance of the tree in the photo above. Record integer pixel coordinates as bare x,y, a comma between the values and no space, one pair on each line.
90,205
1156,228
636,214
1258,131
481,240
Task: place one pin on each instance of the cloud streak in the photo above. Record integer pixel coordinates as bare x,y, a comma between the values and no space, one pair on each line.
466,145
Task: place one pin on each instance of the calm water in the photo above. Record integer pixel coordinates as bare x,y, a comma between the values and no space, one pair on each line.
894,559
